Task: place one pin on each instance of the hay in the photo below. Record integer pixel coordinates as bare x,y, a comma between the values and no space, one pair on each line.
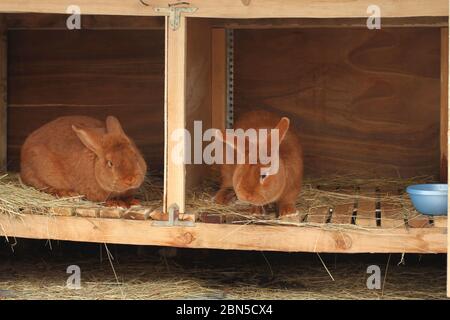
17,198
326,192
330,192
167,279
244,277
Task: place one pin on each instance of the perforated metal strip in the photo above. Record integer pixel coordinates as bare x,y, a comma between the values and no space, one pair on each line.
230,78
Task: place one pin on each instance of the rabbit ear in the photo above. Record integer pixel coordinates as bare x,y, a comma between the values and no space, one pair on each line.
90,138
113,126
220,136
282,127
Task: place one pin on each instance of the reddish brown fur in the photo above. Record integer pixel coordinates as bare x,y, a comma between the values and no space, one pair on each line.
69,156
283,187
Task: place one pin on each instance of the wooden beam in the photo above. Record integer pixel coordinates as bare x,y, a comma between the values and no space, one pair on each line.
219,236
287,23
444,105
3,93
175,119
88,22
238,9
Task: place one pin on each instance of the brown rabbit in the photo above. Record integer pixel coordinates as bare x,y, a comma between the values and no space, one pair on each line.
259,189
78,155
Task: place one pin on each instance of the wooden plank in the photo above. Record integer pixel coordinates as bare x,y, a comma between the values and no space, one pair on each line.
62,211
444,104
3,94
137,213
206,217
318,215
419,221
214,236
448,172
219,78
308,85
87,212
285,23
237,9
88,22
218,83
440,221
342,214
175,103
198,97
366,213
111,213
392,216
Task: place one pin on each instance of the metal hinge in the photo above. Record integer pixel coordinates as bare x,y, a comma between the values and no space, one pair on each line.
173,220
174,13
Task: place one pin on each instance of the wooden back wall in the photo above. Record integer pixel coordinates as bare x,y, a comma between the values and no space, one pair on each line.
52,73
363,101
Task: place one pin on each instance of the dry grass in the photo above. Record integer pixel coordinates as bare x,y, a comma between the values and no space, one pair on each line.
16,198
318,193
249,277
160,277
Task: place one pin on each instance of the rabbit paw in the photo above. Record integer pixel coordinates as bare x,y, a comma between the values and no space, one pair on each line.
132,201
116,203
124,203
224,196
65,194
287,210
257,210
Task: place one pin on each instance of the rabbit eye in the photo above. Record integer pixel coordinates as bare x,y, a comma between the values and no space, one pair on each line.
110,164
263,177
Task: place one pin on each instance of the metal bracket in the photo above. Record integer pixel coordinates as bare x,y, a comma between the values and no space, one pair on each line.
173,219
174,14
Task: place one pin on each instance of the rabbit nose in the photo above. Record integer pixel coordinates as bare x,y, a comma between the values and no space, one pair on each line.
131,181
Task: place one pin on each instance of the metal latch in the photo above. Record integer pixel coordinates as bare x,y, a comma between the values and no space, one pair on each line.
173,220
174,14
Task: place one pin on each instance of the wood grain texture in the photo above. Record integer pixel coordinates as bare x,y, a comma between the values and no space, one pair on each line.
342,214
363,101
285,23
198,88
175,114
448,167
366,214
94,73
3,94
444,104
58,21
237,9
219,78
225,236
318,215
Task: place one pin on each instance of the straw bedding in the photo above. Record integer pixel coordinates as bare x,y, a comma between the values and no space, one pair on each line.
16,198
164,278
247,276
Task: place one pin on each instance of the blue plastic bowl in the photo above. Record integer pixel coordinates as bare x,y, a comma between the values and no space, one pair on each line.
430,199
